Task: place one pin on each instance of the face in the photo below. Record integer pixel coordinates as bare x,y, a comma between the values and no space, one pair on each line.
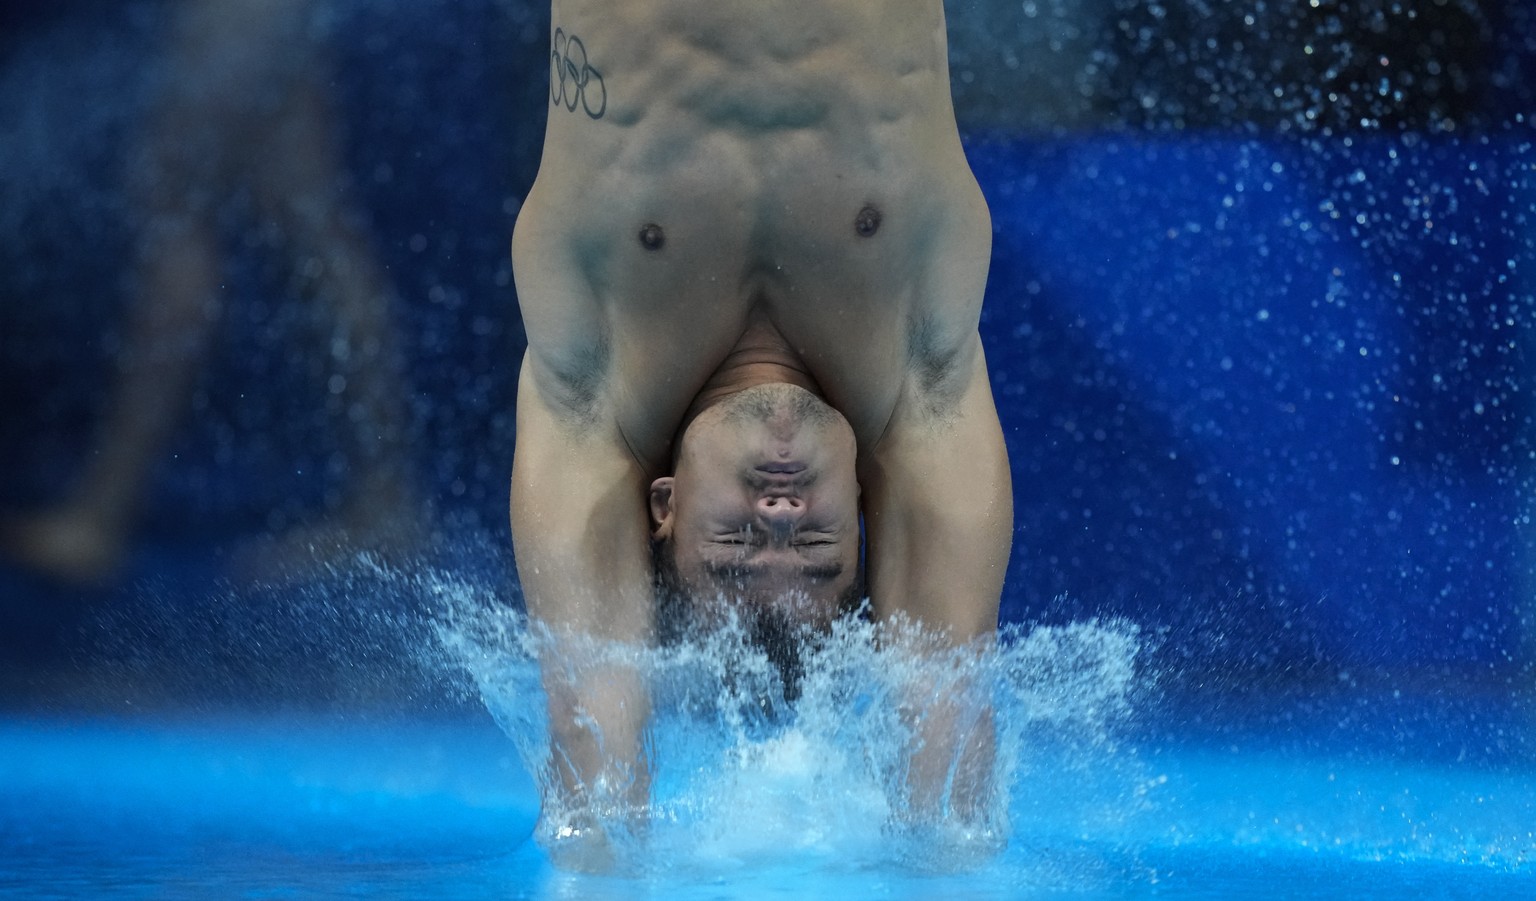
764,506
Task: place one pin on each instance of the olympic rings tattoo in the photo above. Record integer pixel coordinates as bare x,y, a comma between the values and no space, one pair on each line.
572,80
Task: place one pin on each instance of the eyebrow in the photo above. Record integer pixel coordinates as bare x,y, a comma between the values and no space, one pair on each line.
730,572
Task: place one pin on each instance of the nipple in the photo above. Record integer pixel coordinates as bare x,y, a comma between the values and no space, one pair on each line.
651,236
867,222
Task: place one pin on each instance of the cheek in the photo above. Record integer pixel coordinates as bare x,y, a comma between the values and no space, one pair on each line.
847,500
714,497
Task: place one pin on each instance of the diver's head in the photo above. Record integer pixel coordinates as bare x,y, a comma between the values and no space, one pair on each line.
762,511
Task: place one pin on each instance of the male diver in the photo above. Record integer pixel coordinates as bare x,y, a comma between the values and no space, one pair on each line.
751,272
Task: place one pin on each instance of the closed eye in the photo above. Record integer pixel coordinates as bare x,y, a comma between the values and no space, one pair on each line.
736,537
814,537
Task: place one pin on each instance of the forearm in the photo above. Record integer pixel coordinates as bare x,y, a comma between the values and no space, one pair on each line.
951,765
579,532
939,516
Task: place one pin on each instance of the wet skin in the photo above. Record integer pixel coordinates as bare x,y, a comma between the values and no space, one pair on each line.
737,194
764,510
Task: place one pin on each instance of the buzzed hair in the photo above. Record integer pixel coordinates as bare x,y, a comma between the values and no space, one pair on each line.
769,628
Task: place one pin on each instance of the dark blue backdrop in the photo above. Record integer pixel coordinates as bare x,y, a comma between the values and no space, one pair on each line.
1264,394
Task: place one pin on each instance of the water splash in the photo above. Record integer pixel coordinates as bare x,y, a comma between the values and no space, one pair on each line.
745,774
1097,787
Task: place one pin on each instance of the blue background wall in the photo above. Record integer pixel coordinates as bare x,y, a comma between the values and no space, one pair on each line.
1265,388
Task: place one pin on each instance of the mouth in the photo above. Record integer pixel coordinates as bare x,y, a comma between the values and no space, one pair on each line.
779,476
782,468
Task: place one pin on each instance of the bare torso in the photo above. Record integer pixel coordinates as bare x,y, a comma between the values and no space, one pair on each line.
731,187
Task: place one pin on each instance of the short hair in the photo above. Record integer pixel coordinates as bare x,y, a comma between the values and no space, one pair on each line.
770,629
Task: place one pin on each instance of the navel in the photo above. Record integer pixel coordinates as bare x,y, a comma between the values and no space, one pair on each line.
867,222
651,236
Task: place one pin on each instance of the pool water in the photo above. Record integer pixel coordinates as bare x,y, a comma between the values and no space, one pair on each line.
276,806
1121,783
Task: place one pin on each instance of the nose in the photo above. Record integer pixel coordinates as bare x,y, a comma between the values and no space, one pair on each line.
780,512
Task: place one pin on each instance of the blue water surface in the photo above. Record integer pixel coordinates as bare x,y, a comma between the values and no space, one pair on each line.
331,805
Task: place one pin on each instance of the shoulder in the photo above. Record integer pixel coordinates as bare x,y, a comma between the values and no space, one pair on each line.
569,353
943,342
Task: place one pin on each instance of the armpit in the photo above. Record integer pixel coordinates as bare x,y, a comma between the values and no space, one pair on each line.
573,379
938,363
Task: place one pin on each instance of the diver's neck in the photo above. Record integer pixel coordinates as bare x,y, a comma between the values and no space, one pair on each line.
761,357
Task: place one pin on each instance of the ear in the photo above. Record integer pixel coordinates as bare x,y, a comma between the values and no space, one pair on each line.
661,508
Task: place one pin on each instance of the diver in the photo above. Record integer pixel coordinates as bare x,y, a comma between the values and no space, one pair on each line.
751,273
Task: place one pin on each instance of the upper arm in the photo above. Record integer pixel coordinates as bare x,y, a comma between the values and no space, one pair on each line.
939,511
579,532
937,490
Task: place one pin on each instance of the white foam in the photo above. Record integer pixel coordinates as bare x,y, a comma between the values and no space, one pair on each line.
742,778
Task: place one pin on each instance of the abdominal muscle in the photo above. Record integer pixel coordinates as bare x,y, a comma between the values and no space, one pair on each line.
754,154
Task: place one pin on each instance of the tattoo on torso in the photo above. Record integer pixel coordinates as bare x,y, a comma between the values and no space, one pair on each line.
573,81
